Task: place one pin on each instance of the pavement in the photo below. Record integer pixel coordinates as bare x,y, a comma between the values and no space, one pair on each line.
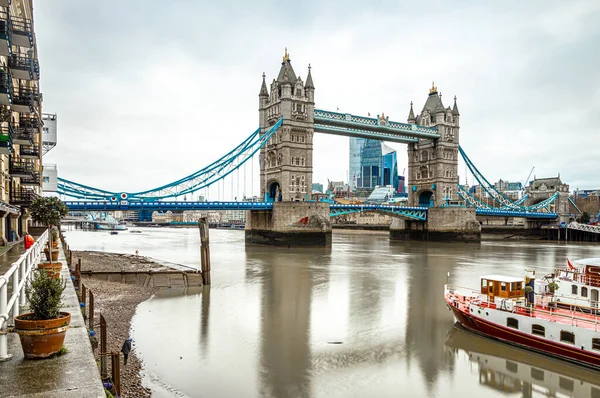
74,374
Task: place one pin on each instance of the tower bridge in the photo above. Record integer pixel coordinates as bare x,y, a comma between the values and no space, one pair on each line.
284,146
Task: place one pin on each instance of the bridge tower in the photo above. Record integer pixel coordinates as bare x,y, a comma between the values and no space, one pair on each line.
286,166
433,178
286,161
433,164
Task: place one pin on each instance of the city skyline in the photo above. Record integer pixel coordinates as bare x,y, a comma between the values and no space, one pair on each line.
526,85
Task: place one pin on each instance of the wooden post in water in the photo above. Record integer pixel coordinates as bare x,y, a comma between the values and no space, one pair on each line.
115,368
204,250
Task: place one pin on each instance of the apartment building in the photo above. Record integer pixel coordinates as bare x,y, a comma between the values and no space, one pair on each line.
20,117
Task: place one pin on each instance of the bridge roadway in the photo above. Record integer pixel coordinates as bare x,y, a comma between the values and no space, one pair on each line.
416,213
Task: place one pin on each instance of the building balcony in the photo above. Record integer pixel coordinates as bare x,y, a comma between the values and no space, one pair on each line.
24,67
29,151
5,32
23,197
34,180
6,136
22,32
23,135
6,87
25,99
21,168
30,120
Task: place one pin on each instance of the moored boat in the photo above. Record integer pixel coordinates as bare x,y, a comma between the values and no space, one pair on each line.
501,310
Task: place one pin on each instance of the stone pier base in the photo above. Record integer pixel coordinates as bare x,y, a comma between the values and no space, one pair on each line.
443,224
290,224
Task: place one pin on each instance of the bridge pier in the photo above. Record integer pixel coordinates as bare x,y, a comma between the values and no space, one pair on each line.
290,224
443,224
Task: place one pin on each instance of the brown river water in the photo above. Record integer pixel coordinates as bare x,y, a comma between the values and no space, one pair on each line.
364,318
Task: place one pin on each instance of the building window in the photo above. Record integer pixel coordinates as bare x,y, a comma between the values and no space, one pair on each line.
303,139
567,337
538,330
512,323
573,289
583,291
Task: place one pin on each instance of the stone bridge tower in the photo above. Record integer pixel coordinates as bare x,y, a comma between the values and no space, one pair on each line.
286,161
433,164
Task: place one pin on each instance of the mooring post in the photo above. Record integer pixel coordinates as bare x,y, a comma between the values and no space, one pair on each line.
115,367
91,311
83,294
204,250
103,353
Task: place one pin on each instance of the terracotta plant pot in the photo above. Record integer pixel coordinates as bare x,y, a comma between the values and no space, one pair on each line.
52,268
55,244
41,339
55,254
47,253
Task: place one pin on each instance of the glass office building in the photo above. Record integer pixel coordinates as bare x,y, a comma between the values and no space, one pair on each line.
372,163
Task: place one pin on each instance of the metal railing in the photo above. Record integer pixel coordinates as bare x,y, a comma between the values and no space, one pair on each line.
18,275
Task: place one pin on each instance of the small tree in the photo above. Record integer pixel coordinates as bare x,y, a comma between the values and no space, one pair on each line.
48,211
44,295
552,287
527,290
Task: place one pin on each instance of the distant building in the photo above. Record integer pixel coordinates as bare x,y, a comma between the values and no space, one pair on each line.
356,145
317,187
590,194
372,163
389,175
381,194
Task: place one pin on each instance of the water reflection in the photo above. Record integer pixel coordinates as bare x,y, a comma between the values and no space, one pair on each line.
285,326
508,369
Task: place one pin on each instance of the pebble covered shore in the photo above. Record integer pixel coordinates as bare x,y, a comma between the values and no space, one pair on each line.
118,302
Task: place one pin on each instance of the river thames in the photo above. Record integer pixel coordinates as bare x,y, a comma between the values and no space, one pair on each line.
364,318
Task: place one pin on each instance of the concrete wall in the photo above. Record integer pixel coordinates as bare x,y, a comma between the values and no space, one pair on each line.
443,224
150,279
290,224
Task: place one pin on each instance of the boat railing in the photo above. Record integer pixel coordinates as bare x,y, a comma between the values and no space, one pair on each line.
543,306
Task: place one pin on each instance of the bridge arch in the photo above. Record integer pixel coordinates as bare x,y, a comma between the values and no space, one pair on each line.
426,198
274,191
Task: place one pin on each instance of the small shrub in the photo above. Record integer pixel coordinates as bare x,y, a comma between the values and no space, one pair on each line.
44,295
552,287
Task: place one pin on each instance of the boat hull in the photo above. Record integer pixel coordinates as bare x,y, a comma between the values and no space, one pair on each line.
527,341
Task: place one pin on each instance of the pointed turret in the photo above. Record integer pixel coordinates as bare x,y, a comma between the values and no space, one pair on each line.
286,73
455,108
309,81
263,88
411,114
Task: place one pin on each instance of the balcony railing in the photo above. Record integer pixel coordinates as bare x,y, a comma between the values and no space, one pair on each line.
5,32
6,136
35,179
22,31
29,151
23,135
23,197
25,98
24,67
21,168
6,87
29,120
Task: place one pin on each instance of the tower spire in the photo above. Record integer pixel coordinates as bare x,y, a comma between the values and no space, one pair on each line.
433,89
411,114
286,56
263,88
455,108
309,81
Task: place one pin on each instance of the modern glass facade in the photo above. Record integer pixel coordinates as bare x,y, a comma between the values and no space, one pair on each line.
356,145
372,164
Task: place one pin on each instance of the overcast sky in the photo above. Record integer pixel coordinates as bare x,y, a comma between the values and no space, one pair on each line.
147,92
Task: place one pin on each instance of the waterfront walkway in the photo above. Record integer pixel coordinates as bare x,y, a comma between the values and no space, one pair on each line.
74,374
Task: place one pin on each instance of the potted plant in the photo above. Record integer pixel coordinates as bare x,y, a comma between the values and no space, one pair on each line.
528,290
48,211
42,331
552,287
54,238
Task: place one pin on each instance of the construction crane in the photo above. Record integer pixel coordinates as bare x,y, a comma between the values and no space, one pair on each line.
527,179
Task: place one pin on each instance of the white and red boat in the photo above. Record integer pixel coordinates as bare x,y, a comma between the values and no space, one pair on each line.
500,310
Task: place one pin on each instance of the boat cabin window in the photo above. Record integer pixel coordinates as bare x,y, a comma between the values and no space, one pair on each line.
484,283
539,330
596,344
512,323
566,384
512,366
537,374
503,286
583,291
573,289
567,337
